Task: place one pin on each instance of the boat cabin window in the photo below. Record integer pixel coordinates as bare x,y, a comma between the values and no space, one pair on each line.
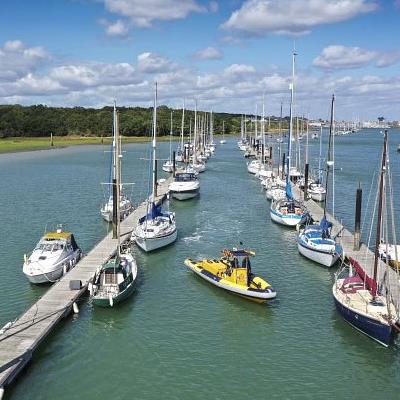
186,177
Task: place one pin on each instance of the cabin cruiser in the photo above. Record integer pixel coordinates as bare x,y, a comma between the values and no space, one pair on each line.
54,255
185,186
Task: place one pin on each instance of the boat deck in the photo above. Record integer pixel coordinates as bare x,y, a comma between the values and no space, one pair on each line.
22,338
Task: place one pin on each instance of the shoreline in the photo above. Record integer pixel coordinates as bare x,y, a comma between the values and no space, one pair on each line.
18,144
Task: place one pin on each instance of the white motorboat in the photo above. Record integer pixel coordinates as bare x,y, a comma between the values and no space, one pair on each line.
168,166
185,186
254,166
316,191
157,228
54,255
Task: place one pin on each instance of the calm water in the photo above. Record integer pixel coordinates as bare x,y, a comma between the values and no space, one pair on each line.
177,337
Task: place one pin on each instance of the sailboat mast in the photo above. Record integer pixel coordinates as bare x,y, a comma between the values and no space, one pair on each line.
195,134
154,162
289,162
379,221
182,124
170,140
211,128
329,161
263,126
116,200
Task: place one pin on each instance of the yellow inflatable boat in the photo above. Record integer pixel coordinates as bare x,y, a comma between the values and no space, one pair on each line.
233,273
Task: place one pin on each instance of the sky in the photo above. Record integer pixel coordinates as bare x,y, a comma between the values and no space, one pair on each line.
228,55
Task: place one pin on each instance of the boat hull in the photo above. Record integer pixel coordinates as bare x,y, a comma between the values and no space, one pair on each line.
320,257
105,302
317,196
286,220
53,275
377,331
184,194
151,244
257,296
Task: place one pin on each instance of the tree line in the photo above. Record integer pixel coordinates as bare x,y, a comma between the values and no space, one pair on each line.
40,120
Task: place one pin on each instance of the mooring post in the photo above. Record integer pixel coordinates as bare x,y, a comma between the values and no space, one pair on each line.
306,182
115,216
173,163
262,153
357,237
283,165
270,155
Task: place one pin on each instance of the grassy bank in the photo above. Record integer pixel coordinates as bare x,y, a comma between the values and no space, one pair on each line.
16,144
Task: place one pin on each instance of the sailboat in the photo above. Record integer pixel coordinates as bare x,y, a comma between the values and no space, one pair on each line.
114,281
223,141
365,301
125,205
314,240
168,166
316,190
180,155
157,228
196,164
288,211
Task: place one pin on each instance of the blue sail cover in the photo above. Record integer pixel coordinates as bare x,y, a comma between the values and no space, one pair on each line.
155,212
288,189
325,225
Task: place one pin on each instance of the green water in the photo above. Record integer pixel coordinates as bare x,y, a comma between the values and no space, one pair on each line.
178,337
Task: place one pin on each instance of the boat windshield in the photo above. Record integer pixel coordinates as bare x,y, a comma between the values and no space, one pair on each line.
50,245
185,177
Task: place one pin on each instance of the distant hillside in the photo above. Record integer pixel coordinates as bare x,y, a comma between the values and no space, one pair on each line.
40,120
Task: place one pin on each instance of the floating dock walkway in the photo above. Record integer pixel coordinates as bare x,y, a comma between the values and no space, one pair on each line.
23,336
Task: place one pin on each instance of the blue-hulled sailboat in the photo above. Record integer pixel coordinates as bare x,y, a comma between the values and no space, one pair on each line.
364,301
315,241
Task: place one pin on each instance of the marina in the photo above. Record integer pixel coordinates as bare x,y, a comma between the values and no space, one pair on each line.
284,272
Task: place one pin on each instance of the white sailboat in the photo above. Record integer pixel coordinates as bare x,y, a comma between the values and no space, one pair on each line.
197,165
125,205
168,166
223,141
288,211
315,241
157,228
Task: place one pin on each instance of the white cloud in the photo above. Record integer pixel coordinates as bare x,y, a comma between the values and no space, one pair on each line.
236,70
116,28
142,13
260,17
342,57
388,58
209,53
152,63
337,56
16,60
94,74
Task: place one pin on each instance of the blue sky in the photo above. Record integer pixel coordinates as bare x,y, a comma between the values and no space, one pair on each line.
224,53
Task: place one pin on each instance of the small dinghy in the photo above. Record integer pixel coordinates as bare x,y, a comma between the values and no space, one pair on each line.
233,273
